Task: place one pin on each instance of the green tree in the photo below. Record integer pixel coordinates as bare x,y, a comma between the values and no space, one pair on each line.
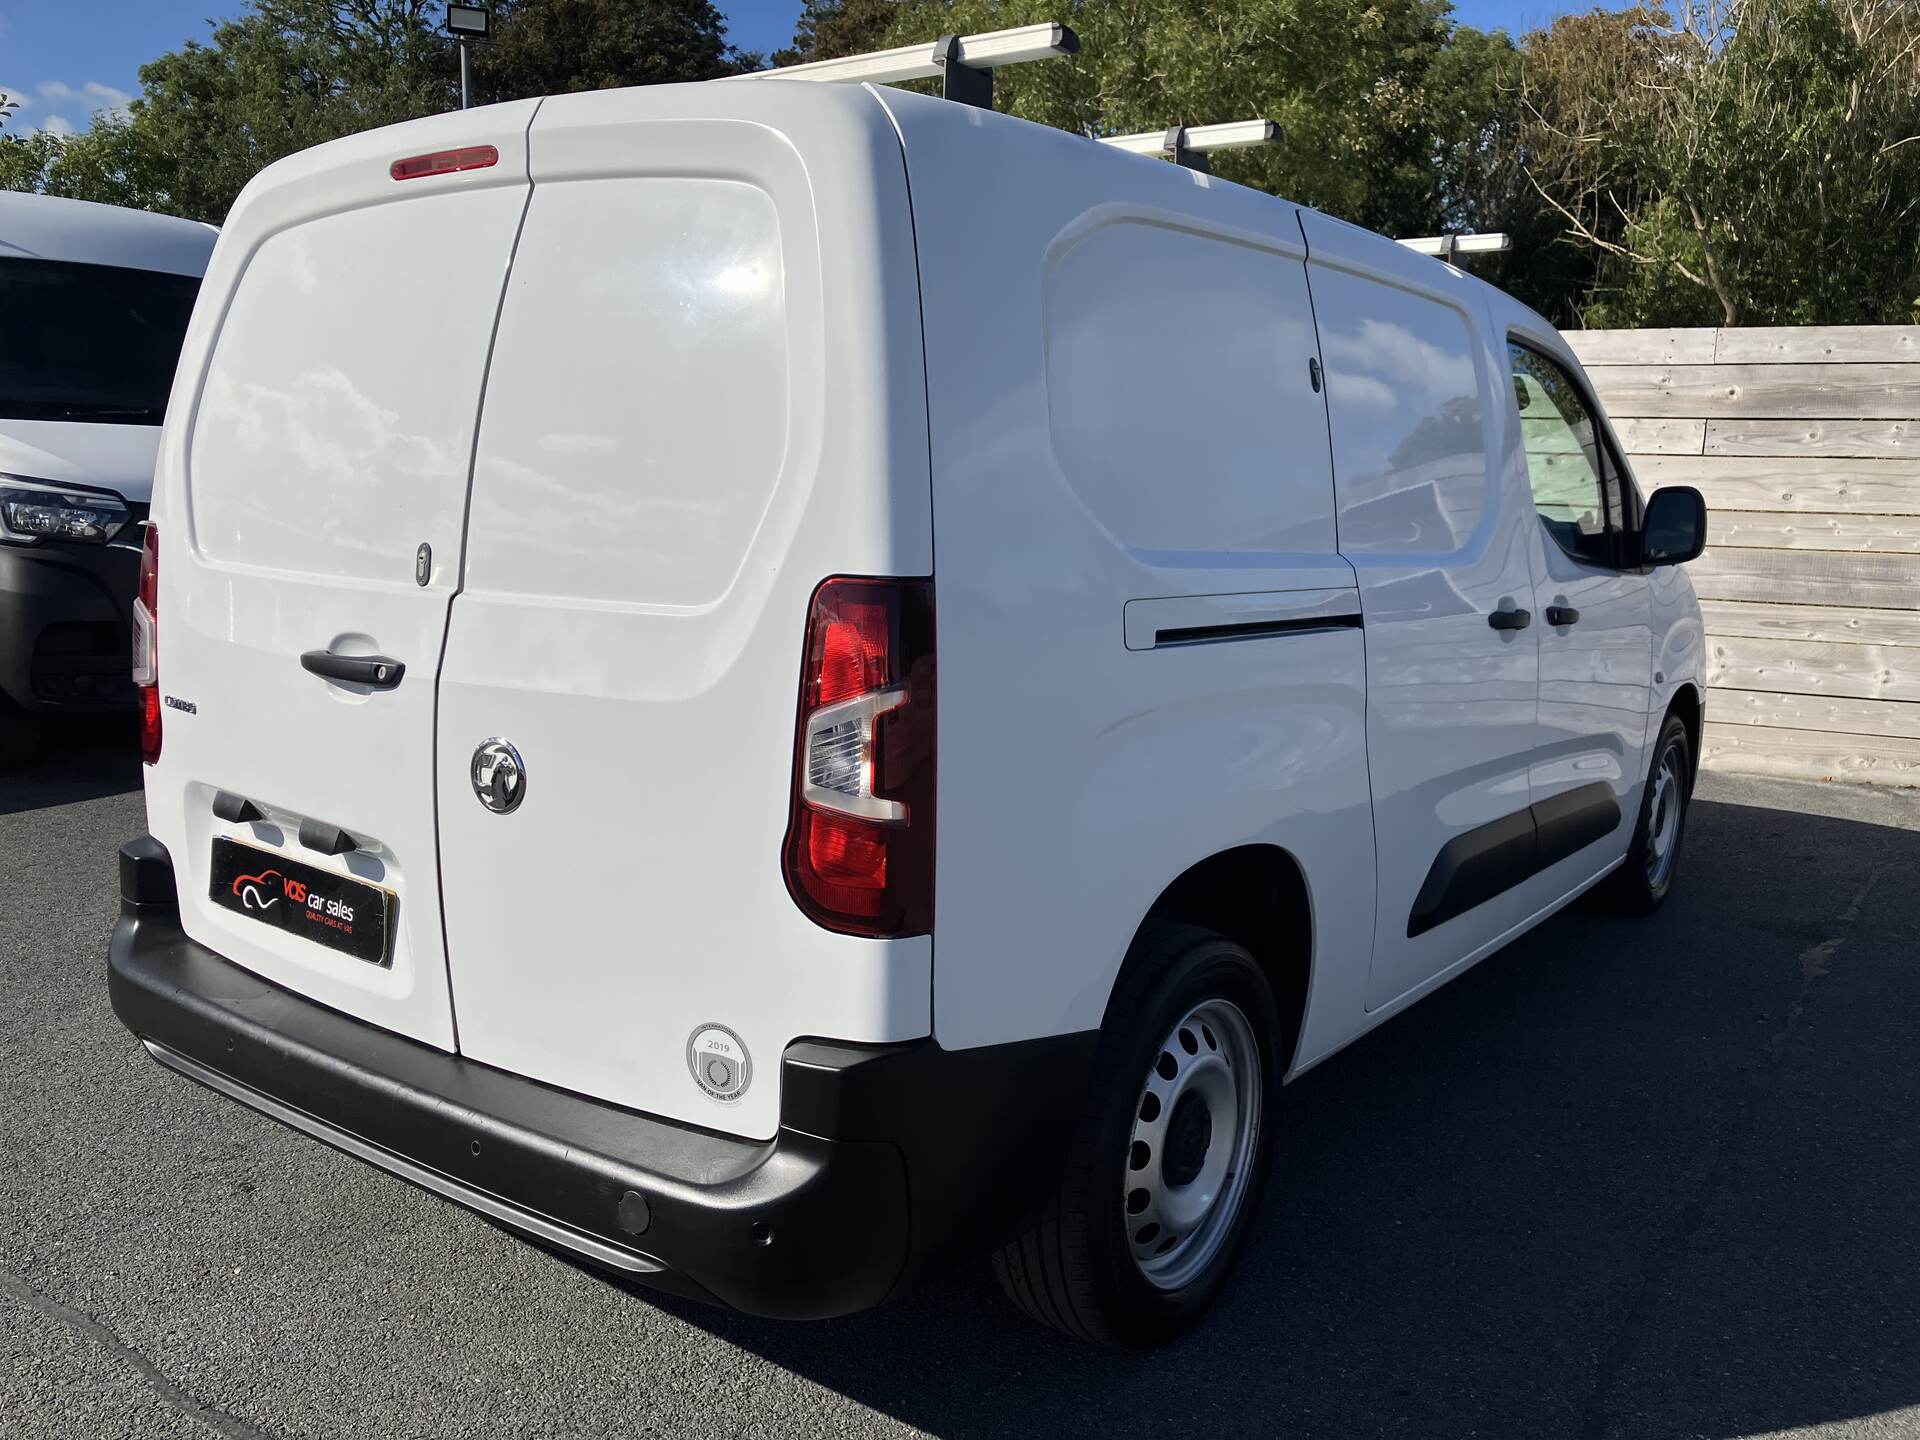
550,47
828,29
1378,130
1753,162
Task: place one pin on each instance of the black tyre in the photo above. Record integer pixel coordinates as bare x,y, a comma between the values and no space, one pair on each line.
19,734
1641,884
1165,1173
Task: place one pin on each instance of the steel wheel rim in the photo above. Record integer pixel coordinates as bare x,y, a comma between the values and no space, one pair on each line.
1186,1218
1663,818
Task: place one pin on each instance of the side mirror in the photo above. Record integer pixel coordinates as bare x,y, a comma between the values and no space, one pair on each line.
1675,528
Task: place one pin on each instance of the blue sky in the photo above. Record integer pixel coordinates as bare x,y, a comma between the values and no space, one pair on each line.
64,59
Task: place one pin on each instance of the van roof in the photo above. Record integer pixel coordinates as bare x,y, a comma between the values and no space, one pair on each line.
50,227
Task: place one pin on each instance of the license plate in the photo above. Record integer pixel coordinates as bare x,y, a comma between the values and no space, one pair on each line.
332,910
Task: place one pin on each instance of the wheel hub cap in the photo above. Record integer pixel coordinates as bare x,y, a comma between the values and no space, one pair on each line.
1189,1134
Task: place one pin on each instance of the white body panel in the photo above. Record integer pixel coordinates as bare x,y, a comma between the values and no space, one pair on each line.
1078,777
687,351
49,227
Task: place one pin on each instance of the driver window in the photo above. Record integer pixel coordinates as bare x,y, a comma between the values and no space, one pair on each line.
1564,464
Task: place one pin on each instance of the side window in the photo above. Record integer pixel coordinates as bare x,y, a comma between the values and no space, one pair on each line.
1579,503
1404,403
1254,476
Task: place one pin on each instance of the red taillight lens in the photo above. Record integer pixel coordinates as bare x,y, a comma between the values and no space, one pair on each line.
444,162
859,852
146,644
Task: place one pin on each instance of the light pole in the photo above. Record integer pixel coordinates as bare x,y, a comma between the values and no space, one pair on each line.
468,23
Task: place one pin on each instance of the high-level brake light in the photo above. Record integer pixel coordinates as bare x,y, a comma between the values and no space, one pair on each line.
859,850
444,162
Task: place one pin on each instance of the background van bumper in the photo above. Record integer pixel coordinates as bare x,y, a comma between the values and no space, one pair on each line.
889,1160
65,617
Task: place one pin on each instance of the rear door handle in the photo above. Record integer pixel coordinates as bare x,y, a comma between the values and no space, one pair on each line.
1515,619
1562,615
376,672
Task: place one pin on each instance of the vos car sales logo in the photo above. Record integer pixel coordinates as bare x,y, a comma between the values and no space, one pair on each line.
270,887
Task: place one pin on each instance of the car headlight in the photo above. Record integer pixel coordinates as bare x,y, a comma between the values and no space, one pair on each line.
35,510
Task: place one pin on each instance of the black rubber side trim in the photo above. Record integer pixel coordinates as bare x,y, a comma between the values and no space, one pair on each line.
1474,867
1255,629
1569,823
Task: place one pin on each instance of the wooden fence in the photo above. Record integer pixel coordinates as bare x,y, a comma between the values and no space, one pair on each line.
1806,443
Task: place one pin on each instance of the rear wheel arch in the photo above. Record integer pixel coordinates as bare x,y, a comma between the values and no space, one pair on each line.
1257,897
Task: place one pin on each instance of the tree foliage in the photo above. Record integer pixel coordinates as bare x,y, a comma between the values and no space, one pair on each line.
1736,161
828,29
550,47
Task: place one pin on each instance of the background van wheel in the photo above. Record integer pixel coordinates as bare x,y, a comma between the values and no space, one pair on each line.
1165,1172
1645,879
19,734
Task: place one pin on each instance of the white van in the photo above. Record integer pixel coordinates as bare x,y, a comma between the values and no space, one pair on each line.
94,300
770,684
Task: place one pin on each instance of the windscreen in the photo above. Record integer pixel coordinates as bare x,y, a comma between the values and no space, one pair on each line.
89,342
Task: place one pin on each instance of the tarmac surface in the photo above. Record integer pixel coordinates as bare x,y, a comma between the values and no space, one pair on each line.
1625,1178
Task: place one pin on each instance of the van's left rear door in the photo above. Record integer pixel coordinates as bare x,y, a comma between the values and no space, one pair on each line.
313,492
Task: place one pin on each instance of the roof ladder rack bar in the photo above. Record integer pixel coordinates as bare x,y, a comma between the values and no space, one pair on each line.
964,63
1189,145
1445,247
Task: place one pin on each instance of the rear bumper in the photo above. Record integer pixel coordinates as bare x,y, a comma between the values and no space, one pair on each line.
889,1161
65,613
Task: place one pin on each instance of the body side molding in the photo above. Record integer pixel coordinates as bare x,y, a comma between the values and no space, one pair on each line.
1491,859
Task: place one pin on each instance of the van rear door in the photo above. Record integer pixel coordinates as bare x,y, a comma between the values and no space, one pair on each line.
706,396
312,516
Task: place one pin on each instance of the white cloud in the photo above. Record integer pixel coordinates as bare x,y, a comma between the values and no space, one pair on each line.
100,96
85,100
90,97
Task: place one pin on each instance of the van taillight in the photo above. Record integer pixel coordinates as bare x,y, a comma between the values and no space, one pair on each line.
146,644
859,850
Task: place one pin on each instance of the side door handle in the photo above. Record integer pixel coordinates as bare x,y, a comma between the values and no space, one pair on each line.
1562,615
1513,619
376,672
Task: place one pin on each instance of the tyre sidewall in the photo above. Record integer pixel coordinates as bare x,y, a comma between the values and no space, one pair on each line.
1645,896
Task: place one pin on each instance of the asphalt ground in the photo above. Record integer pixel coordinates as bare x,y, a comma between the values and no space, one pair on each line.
1625,1178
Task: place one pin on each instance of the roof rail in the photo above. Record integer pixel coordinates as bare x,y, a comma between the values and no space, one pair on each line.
1448,246
965,63
1189,145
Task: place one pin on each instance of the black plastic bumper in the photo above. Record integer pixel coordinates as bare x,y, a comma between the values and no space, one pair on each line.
889,1160
65,617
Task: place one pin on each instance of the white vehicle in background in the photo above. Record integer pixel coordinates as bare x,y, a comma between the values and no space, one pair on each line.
94,300
775,683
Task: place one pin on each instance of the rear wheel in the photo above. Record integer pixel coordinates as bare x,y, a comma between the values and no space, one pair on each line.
1641,884
1165,1173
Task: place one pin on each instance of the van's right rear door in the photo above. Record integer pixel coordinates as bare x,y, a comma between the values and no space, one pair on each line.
313,503
1439,534
706,396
